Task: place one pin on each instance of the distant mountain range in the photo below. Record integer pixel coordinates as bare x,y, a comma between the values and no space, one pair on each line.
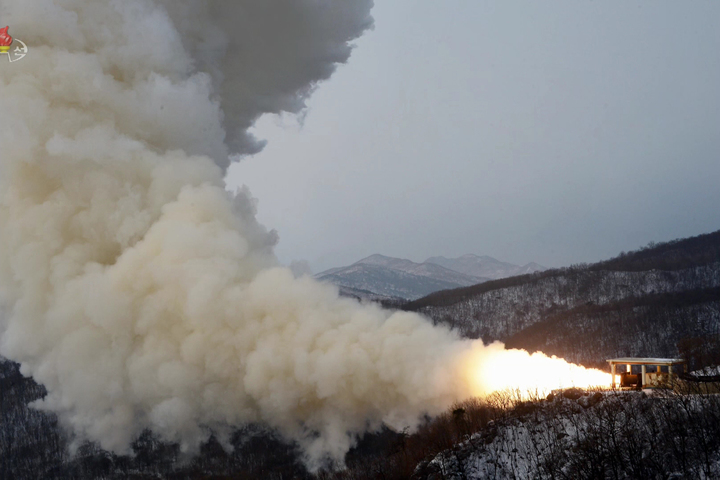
378,277
484,266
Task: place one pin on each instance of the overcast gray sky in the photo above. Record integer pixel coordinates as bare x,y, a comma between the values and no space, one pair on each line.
556,132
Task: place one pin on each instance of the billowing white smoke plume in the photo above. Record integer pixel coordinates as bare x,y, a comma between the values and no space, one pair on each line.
134,287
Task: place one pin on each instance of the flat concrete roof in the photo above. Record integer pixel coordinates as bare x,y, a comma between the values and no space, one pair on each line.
646,361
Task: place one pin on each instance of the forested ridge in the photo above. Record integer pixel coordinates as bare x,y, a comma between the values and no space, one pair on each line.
673,255
655,301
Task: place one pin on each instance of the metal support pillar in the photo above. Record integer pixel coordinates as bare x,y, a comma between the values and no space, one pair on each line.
644,371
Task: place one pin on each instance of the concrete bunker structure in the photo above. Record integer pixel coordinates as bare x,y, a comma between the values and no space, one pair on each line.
647,378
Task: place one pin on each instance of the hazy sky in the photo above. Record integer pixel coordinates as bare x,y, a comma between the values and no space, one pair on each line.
556,132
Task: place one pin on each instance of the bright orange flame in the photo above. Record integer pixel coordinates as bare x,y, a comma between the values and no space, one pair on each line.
530,374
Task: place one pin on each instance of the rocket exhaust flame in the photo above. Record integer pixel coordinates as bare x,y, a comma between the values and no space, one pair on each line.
534,373
138,290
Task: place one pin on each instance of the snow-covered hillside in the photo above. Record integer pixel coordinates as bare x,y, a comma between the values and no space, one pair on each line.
661,300
500,313
585,435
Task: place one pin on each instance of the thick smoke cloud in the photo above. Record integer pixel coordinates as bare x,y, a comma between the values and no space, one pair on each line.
139,291
267,56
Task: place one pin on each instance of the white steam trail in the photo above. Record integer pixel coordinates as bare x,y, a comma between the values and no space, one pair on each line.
140,292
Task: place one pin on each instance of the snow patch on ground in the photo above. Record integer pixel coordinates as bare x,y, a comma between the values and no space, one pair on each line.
585,437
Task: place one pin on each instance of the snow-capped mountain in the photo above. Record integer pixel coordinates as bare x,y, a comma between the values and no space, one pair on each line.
397,277
485,266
